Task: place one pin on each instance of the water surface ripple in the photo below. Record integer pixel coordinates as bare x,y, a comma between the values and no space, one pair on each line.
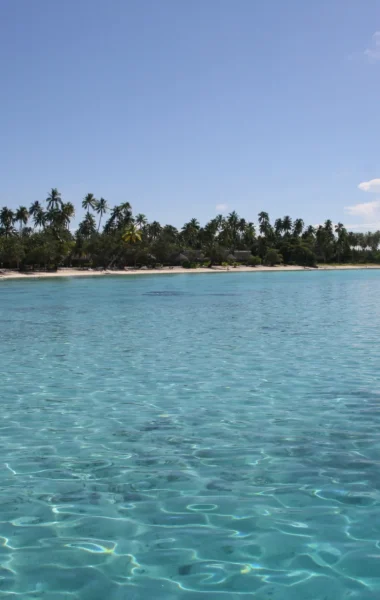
191,437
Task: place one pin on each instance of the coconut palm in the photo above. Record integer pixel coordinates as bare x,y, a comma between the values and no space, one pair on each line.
287,224
342,243
22,216
89,202
190,232
219,220
264,224
87,227
121,216
170,233
67,212
7,219
37,212
154,230
278,227
141,220
101,209
54,199
249,234
298,227
131,235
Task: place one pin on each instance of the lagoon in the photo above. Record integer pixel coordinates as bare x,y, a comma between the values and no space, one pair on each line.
191,437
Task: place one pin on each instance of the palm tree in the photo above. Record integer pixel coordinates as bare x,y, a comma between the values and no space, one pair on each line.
249,234
154,230
309,233
219,220
89,202
120,217
233,226
114,219
141,220
54,199
374,240
131,235
287,224
88,226
278,227
7,219
190,232
22,216
352,239
126,214
67,212
170,232
342,243
37,212
298,227
101,209
264,224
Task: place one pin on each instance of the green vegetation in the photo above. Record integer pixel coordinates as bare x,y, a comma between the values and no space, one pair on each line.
40,238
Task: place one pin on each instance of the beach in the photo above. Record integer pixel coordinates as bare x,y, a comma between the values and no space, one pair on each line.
72,272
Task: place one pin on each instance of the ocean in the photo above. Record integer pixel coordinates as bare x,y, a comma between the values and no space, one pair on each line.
191,437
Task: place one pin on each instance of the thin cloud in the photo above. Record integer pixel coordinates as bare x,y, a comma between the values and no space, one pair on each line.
221,207
370,186
373,52
364,209
375,226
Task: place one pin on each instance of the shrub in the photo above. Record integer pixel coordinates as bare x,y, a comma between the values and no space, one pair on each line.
254,261
186,264
272,257
305,257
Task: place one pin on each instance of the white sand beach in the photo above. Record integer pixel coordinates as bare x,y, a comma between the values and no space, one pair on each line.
71,272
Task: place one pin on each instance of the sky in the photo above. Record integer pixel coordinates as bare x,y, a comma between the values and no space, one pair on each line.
189,109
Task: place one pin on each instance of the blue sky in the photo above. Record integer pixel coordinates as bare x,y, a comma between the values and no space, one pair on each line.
179,107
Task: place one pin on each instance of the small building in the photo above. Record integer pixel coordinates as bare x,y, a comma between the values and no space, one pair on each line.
242,255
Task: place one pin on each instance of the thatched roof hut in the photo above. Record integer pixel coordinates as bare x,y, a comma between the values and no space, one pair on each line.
181,258
242,255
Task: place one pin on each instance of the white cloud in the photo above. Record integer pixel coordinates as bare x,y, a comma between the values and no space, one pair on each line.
364,209
370,186
221,207
373,53
375,226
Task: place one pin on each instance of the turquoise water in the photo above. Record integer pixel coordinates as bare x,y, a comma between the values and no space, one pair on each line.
191,437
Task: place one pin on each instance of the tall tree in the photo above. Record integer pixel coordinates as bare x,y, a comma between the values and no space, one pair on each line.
287,224
298,226
7,219
190,232
67,212
264,223
101,209
22,216
278,227
141,220
87,227
37,212
54,199
89,202
131,235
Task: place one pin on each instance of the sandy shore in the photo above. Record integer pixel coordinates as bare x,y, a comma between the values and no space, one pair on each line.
67,272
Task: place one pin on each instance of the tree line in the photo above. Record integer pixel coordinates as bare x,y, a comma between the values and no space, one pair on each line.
39,237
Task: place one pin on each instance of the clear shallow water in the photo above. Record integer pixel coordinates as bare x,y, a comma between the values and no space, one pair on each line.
189,437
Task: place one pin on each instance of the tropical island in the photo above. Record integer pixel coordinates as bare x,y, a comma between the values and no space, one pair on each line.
39,238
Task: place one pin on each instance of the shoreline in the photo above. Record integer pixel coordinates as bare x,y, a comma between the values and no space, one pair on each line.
7,275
